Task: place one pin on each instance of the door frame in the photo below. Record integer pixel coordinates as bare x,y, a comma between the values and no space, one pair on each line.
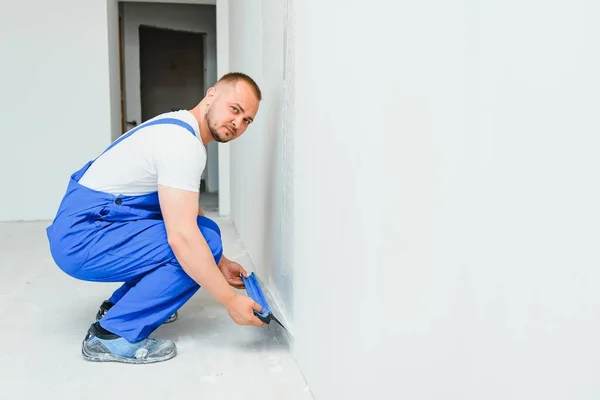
122,75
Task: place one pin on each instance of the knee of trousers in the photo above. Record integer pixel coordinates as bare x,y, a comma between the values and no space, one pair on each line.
208,223
213,239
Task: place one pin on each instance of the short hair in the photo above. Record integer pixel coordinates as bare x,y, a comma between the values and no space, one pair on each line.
234,77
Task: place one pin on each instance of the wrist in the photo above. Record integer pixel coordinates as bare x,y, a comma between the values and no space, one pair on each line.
228,299
223,260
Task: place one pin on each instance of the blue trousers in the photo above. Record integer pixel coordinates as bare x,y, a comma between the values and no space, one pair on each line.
155,284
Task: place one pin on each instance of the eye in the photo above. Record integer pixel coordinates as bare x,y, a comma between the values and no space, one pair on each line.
247,121
235,109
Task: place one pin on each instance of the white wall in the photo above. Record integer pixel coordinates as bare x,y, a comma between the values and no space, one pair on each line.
261,175
470,271
54,102
185,17
222,17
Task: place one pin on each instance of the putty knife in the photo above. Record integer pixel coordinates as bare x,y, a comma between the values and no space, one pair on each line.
255,291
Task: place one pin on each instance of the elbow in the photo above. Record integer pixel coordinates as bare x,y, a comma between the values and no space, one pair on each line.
177,241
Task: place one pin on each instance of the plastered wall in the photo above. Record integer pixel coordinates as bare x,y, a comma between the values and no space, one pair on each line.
261,162
54,102
439,197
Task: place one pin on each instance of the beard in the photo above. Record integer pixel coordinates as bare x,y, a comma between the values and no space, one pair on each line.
213,128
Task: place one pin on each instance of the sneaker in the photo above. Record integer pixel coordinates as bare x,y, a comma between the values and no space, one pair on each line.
106,305
101,347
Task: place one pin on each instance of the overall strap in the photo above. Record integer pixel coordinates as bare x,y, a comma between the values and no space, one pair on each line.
162,121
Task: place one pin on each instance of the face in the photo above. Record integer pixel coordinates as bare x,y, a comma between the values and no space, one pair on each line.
232,107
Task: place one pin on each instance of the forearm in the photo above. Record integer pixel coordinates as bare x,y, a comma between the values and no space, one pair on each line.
197,260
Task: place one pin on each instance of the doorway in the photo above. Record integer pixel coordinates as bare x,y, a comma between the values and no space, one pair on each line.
172,65
171,70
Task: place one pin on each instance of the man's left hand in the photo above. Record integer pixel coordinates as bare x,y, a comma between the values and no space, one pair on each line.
232,271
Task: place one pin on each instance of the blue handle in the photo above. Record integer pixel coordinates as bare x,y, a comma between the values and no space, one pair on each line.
255,292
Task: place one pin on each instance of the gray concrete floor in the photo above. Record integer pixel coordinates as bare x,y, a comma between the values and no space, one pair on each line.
45,315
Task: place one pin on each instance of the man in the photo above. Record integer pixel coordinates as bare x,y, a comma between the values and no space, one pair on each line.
132,215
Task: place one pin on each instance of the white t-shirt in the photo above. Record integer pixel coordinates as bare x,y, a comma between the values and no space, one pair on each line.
165,154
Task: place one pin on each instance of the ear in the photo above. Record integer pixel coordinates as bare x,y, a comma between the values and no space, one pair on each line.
210,93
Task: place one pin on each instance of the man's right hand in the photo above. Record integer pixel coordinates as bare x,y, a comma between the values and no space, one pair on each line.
241,310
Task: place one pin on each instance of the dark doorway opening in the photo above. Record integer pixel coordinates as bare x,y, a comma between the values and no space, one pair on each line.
171,70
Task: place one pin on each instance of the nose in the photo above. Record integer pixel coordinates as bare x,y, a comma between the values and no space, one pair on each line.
237,123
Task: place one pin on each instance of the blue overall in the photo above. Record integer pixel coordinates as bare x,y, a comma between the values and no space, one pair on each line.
101,237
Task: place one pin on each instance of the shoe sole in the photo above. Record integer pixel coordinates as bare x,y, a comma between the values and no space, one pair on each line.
115,358
171,319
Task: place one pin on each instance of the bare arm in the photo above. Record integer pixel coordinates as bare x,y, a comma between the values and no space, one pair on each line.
179,209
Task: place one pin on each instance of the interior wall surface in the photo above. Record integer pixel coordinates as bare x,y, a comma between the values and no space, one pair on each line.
261,174
224,171
445,206
55,111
